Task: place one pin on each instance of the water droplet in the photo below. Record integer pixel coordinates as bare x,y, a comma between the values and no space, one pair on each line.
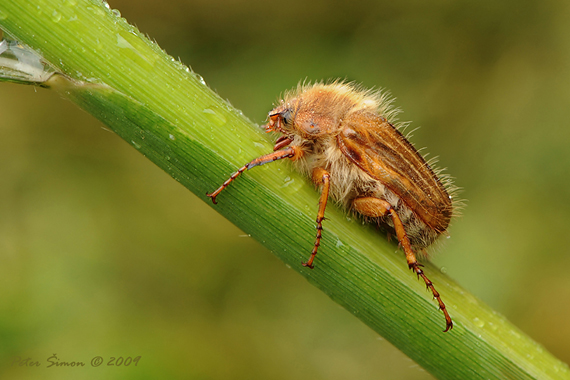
171,137
215,115
123,43
116,12
200,79
443,270
3,15
55,16
339,243
136,145
478,322
287,181
515,334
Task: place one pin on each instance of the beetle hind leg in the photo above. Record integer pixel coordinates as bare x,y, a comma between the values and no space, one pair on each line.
376,207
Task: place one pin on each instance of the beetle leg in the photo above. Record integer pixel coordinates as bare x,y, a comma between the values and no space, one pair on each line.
320,177
292,152
282,142
376,207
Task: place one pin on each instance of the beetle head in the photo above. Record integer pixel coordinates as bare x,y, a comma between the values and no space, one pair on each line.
305,117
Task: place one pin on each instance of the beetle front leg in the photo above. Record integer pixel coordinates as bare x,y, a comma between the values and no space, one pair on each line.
320,177
292,152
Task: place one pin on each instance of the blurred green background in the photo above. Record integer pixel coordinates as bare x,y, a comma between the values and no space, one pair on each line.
105,255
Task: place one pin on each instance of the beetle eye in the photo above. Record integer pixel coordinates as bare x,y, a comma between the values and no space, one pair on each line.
286,116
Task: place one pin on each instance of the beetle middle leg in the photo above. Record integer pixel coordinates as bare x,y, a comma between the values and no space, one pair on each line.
320,177
376,207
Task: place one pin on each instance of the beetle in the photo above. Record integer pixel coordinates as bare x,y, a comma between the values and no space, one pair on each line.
344,138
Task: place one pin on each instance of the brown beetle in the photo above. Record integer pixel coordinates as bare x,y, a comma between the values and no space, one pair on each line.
340,135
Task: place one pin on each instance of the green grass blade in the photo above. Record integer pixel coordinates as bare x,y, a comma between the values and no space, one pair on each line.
167,113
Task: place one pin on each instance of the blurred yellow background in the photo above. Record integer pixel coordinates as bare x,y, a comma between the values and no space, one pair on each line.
105,255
